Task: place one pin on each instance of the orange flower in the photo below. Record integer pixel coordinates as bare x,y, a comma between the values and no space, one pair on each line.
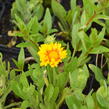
51,54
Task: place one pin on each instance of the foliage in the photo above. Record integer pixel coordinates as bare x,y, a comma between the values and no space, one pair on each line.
49,87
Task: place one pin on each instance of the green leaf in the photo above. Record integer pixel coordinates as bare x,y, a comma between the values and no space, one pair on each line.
90,102
47,21
98,73
58,9
16,87
33,26
61,80
24,44
83,18
102,96
71,66
75,38
78,78
21,25
59,12
73,4
95,38
71,102
25,104
100,49
48,93
21,59
12,74
84,40
55,94
23,80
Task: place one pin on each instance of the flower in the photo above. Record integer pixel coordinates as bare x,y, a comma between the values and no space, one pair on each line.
51,54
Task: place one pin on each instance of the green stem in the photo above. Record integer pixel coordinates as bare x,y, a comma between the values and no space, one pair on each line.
12,105
54,76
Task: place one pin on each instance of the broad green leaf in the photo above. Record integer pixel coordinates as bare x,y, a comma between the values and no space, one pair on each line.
21,59
73,4
78,78
33,26
71,66
60,12
70,100
74,100
21,25
100,49
55,94
48,93
12,74
25,104
90,102
61,80
74,35
58,9
97,71
83,18
17,89
24,44
84,40
89,7
23,80
102,96
47,21
38,11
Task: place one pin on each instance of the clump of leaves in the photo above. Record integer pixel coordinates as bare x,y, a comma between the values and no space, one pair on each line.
51,87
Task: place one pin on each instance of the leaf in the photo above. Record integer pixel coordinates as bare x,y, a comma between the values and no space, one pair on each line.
12,74
25,104
75,37
47,21
38,11
59,12
100,49
102,96
20,23
33,26
83,18
98,73
71,66
61,80
24,44
78,78
55,94
17,88
90,102
23,80
73,4
58,9
21,59
84,40
48,93
95,38
71,102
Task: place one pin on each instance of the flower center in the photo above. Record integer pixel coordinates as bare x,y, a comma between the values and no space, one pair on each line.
53,54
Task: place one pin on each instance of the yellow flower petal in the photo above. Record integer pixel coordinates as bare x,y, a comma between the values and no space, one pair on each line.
51,54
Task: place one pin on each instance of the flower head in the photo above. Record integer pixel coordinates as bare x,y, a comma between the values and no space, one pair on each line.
51,54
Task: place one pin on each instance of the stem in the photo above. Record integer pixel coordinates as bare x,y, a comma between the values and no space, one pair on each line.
97,60
45,78
54,76
12,105
74,53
